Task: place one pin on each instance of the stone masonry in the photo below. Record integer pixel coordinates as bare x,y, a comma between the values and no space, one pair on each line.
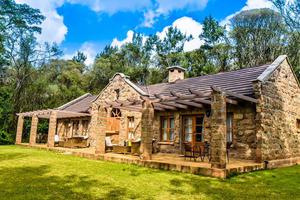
33,129
19,129
52,128
277,112
218,128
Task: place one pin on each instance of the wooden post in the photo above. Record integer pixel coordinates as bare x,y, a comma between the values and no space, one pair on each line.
52,128
33,129
147,130
20,129
101,131
218,130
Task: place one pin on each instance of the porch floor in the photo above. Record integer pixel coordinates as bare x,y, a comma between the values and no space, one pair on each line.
173,162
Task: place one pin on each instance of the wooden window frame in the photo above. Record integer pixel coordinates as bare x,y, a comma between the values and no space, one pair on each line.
229,116
130,129
194,125
168,118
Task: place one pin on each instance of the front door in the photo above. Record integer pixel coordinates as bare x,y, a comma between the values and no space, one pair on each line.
193,129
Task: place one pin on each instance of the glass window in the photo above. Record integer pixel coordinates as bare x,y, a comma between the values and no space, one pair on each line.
167,128
229,122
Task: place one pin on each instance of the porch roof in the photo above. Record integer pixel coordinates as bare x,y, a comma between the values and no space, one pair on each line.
60,114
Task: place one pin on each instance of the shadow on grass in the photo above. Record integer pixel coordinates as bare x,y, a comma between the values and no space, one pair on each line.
269,184
36,183
11,156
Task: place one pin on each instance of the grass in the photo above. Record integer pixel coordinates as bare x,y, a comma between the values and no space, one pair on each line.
38,174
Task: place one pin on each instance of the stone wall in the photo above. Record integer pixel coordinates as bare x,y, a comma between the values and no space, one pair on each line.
109,94
277,112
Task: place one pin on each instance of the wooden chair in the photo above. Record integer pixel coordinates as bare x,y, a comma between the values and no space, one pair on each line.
188,151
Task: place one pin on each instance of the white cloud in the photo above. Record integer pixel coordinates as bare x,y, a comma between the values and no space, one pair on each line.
113,6
53,28
119,43
89,49
164,7
186,25
250,4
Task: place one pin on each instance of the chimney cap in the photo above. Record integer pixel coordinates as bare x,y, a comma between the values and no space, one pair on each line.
176,67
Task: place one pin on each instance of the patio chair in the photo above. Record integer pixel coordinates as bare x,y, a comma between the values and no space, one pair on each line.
228,146
108,144
188,151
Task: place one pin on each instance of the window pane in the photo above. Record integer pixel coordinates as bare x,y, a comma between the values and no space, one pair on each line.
198,129
165,123
198,137
229,126
165,136
171,135
172,125
188,137
199,120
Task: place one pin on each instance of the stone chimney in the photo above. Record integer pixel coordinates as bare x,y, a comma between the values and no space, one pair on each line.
175,73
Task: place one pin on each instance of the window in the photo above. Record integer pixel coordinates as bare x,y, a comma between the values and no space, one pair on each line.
167,129
85,125
229,122
116,112
75,130
130,127
193,128
298,123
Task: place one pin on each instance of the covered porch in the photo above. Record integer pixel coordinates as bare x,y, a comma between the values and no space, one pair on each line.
216,103
56,122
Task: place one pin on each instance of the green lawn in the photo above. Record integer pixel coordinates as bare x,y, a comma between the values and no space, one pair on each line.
37,174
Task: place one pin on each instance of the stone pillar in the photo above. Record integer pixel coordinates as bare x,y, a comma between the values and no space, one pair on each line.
33,129
147,130
100,130
80,128
258,122
218,130
52,128
20,129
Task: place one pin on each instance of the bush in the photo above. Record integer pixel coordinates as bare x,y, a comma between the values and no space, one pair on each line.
5,138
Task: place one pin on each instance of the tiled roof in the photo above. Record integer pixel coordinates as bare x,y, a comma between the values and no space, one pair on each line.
81,104
239,81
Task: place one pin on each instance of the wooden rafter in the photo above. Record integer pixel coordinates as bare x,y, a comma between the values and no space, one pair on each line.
198,93
177,105
231,101
190,103
204,101
164,106
183,96
239,96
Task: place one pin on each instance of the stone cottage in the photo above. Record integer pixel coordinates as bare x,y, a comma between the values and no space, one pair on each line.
256,110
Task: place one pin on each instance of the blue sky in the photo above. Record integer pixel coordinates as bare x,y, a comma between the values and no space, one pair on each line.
89,25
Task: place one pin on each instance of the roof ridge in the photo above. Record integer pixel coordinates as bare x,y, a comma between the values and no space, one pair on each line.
74,101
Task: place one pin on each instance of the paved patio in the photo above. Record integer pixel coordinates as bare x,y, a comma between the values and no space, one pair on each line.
172,162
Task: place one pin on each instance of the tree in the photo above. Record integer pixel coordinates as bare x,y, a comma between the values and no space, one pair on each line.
212,31
216,47
79,57
258,37
290,11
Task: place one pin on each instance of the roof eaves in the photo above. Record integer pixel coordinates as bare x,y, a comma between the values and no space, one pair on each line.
74,101
270,70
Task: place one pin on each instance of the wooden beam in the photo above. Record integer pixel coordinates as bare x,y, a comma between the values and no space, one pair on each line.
164,106
177,105
190,103
239,96
231,101
198,93
204,101
158,108
183,96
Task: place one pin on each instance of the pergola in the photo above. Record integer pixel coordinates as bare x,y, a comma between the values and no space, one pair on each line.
176,100
216,99
52,115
